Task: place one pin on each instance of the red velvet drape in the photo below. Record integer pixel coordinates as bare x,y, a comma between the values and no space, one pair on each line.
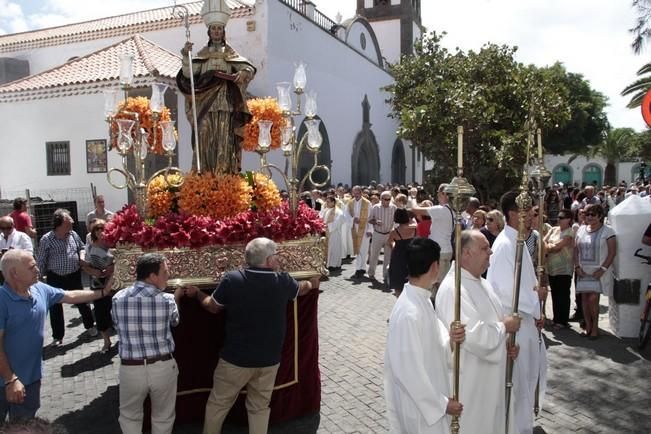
200,336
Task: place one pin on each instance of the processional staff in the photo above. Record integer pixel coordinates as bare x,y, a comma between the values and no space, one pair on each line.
460,191
523,202
184,14
541,175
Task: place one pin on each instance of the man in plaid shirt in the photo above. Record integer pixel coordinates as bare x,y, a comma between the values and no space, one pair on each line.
143,315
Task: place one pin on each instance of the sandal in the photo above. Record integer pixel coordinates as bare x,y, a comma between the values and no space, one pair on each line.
105,349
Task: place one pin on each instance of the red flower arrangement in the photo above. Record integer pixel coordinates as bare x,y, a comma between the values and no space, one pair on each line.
181,230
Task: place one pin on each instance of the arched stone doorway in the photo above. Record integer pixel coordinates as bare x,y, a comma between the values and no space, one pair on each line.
562,173
398,163
593,175
365,161
306,160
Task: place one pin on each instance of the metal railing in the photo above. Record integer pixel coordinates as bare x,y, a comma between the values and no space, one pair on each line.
313,14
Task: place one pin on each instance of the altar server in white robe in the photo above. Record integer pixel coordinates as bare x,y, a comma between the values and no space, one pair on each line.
417,383
334,219
532,359
483,353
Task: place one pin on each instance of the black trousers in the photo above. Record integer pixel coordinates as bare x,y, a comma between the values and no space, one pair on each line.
103,312
67,282
560,286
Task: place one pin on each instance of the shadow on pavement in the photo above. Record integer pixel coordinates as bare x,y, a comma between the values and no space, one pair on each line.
91,363
100,416
607,345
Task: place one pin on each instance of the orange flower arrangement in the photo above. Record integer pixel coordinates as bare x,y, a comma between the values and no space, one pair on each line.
217,196
140,105
265,192
262,109
161,196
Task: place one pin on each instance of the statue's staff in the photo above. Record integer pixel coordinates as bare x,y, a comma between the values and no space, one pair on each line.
523,201
459,190
541,175
184,14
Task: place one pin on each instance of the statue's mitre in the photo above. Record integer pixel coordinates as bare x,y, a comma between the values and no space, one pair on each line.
215,12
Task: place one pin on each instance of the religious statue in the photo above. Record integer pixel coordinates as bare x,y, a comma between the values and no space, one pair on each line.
220,79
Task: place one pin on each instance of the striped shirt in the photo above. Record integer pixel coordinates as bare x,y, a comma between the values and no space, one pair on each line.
384,214
143,315
60,256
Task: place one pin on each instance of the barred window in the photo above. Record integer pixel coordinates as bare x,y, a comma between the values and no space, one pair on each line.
58,158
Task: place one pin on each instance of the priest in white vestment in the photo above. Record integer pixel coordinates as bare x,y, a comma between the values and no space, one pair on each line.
417,383
334,219
483,353
531,363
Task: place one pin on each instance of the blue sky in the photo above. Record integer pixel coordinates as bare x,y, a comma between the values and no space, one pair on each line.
589,36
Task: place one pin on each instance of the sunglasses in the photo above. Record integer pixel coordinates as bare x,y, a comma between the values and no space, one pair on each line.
590,214
490,219
5,228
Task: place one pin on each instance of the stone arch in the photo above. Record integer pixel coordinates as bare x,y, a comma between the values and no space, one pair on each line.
593,172
562,173
376,45
365,163
306,160
398,163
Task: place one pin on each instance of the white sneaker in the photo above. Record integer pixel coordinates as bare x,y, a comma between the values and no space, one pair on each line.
56,343
92,332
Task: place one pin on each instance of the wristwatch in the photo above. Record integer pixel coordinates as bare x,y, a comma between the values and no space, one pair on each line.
603,268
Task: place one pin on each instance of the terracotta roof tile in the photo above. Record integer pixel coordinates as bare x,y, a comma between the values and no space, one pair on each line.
121,25
103,65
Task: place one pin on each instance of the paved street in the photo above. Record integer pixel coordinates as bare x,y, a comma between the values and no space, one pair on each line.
594,386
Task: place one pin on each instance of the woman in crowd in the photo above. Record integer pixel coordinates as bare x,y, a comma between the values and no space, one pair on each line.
478,219
559,244
100,261
494,225
424,222
553,205
333,217
594,254
399,238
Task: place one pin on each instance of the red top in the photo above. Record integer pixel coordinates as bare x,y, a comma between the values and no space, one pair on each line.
423,227
22,220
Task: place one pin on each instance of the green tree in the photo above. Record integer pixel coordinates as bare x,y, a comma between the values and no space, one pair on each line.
619,144
639,87
488,93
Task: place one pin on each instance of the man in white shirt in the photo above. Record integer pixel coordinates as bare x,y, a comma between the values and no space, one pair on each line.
441,230
10,238
532,359
483,353
100,211
417,358
381,218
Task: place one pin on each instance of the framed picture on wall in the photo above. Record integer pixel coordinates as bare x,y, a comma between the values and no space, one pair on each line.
96,156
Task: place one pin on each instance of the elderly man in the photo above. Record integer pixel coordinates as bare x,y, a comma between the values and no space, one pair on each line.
143,315
357,214
10,238
441,230
590,198
381,218
22,219
61,259
483,353
416,378
532,360
255,300
24,303
100,212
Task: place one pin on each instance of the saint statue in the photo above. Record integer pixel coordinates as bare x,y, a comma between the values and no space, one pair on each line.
220,79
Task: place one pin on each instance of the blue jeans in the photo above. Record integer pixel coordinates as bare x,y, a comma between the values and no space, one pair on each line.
26,410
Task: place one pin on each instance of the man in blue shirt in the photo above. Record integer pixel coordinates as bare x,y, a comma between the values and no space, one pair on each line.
255,300
24,303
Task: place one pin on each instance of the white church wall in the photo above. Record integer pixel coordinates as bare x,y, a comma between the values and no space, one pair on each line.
341,78
388,36
360,39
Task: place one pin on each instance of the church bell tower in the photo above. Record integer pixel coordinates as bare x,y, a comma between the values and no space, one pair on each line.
396,23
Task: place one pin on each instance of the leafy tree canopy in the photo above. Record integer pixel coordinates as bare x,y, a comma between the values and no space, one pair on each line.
494,98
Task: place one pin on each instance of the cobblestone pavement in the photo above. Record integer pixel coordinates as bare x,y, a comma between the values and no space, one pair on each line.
598,386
